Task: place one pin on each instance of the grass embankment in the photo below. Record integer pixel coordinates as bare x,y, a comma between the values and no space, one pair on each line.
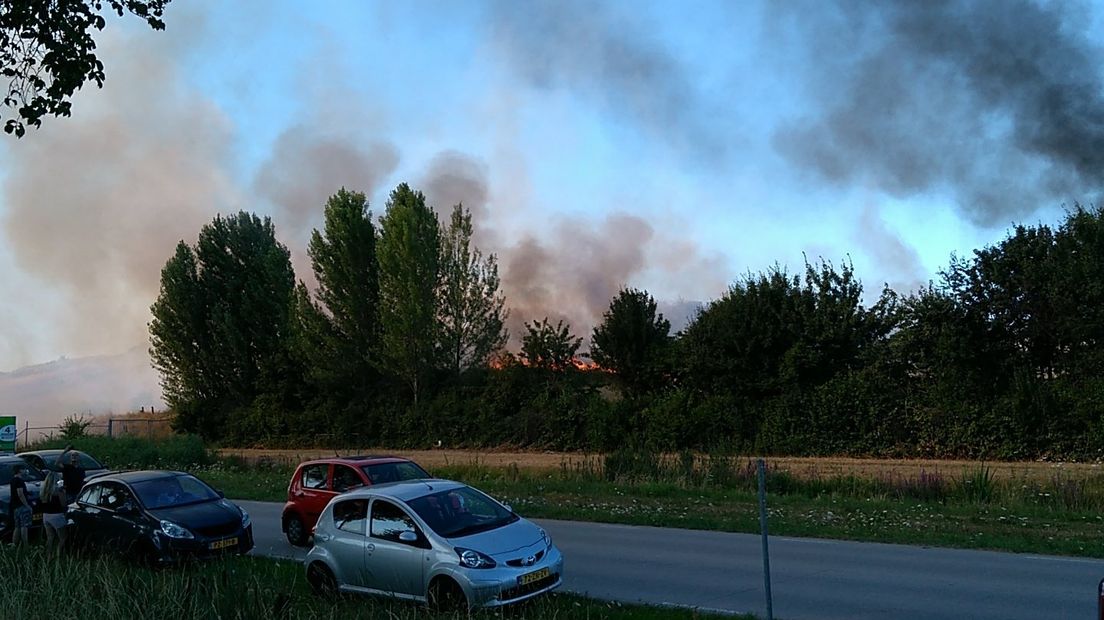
98,588
1033,507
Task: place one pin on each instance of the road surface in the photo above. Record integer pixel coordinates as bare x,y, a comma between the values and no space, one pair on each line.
812,578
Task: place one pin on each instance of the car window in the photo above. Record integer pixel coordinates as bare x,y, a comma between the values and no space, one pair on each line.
345,478
314,476
112,496
351,515
173,491
461,511
381,473
90,494
388,521
30,472
85,462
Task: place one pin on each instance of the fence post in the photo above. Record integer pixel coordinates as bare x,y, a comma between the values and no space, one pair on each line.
109,421
762,467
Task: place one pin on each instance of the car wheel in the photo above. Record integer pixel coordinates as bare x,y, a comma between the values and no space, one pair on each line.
295,530
445,595
321,579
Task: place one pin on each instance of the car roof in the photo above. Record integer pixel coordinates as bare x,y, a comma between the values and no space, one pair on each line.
139,476
405,490
48,452
359,460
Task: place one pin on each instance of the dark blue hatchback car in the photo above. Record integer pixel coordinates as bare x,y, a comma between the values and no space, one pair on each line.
159,516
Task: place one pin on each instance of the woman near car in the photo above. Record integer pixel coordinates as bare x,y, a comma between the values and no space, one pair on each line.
52,500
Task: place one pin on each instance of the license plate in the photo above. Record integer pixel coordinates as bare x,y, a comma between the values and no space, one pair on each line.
222,544
534,576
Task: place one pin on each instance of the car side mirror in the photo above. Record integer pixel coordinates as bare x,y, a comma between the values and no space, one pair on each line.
508,508
221,494
408,537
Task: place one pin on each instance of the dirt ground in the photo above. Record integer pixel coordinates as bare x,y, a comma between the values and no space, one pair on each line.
810,467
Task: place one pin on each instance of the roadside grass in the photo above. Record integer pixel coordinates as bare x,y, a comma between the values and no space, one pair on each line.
1060,513
973,511
95,588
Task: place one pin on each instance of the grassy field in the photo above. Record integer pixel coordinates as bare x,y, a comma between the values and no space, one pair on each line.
978,508
1050,508
100,588
803,467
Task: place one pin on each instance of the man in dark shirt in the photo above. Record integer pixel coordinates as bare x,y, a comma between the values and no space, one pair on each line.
72,474
21,506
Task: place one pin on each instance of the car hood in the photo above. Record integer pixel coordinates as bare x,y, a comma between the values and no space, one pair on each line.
508,538
203,514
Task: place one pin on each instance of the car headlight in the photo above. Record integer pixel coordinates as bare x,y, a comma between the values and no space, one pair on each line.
246,521
547,540
173,530
474,559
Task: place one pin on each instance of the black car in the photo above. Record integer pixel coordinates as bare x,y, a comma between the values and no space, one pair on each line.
45,460
158,516
33,477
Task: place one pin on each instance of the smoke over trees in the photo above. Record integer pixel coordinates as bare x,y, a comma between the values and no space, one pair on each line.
402,343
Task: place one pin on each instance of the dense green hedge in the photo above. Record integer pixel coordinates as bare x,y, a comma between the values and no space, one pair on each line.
181,452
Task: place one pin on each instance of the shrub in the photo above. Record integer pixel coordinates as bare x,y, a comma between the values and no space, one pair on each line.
175,452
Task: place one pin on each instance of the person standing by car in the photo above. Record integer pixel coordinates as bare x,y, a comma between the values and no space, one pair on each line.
72,474
21,507
52,498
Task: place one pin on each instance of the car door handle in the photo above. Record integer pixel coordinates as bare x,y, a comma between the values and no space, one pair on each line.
323,537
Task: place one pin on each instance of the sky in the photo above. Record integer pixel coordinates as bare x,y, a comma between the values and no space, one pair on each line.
670,146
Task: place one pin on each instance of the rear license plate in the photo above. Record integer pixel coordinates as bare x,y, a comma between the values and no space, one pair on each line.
222,544
534,576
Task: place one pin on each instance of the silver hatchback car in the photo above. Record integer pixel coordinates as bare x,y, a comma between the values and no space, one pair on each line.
434,541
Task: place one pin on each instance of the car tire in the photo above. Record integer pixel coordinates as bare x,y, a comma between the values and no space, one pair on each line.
322,581
445,595
295,530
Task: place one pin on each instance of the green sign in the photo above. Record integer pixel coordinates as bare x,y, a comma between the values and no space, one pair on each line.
7,433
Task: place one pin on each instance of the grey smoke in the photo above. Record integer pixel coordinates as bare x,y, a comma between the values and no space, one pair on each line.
95,203
455,178
892,256
576,266
306,167
998,103
612,57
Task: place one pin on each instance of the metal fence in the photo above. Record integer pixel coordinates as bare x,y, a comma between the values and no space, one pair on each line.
150,428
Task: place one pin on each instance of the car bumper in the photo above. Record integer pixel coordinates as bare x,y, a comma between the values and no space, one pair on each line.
169,550
502,586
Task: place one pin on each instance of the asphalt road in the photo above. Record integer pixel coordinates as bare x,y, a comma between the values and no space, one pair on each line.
812,578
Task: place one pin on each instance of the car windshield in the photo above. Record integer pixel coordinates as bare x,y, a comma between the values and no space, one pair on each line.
173,491
30,474
380,473
86,462
460,512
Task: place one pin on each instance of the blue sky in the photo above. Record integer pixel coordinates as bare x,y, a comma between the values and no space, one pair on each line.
659,145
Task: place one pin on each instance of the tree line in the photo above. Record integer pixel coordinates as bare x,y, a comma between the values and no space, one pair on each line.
403,343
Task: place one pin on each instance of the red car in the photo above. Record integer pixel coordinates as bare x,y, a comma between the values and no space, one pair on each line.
316,482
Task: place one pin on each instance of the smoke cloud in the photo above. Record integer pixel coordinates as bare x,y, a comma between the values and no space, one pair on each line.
305,168
894,259
998,103
96,202
606,55
455,178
